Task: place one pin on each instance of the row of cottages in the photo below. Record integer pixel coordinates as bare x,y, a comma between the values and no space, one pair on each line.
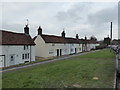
50,45
16,48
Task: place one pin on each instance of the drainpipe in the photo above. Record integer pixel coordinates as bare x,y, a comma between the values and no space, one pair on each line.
30,53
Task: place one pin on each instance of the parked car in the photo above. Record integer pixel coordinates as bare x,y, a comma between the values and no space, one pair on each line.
118,63
114,47
117,49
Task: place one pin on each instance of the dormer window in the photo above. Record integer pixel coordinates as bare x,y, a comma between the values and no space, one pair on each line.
25,47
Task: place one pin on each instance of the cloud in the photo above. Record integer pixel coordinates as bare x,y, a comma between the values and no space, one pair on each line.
100,21
74,14
90,19
104,16
84,18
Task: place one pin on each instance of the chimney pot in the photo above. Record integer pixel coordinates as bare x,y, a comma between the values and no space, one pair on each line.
26,30
63,34
39,31
77,37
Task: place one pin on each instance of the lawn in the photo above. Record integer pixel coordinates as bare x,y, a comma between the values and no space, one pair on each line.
76,72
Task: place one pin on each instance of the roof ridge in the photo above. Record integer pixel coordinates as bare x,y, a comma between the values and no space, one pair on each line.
60,36
11,32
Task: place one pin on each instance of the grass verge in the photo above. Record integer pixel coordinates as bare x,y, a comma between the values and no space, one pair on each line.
76,72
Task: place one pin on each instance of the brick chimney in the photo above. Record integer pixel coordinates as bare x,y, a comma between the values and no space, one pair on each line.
63,34
26,30
85,38
39,31
77,37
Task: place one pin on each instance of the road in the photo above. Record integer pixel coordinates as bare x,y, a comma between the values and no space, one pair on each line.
35,64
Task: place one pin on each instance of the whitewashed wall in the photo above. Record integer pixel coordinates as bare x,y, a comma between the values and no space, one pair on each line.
43,49
78,47
17,52
93,46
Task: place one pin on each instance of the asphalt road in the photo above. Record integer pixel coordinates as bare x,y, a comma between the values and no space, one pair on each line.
118,83
35,64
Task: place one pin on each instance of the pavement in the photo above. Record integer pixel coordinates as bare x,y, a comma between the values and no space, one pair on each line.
44,62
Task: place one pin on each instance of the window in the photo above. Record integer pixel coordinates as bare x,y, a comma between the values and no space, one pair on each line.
28,55
71,50
53,44
65,50
25,47
22,56
51,51
79,48
72,44
25,56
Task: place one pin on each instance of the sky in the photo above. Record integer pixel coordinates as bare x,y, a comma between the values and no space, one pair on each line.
83,18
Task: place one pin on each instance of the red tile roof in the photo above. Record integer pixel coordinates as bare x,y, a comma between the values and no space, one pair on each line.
12,38
58,39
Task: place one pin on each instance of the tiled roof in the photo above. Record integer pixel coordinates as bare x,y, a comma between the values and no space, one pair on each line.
34,38
58,39
53,39
93,41
12,38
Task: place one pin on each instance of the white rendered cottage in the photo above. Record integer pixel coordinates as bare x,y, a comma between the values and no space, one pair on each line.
50,45
89,44
93,44
16,48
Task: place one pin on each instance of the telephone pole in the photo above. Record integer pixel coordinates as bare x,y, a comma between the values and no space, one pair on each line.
110,36
111,31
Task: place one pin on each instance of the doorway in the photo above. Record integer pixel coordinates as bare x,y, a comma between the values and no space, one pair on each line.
75,50
60,52
12,59
2,60
57,52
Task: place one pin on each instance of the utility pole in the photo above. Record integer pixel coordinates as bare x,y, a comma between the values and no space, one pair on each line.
111,36
111,32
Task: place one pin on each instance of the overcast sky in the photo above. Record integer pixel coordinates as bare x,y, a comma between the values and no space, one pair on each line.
83,18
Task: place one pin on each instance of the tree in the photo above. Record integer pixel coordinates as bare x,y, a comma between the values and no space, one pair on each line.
93,38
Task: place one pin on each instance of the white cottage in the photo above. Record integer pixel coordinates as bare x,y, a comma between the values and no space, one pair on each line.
93,44
89,44
16,48
50,45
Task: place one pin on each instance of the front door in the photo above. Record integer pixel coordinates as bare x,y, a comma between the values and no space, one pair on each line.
57,52
60,52
2,60
12,59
